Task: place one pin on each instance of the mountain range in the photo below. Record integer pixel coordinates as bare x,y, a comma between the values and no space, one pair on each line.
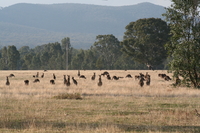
36,24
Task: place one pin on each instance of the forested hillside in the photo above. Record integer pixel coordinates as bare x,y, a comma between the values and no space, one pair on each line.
35,24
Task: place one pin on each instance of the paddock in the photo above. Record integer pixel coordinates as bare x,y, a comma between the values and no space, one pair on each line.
122,87
117,106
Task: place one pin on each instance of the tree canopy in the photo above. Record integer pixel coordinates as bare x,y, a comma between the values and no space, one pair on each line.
184,46
144,40
108,47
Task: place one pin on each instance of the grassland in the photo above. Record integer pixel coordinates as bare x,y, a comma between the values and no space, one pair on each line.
116,106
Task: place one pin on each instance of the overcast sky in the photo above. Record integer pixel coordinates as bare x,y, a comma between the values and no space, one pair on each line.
165,3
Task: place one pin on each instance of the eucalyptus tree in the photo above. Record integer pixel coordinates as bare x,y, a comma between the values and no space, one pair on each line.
89,60
44,58
4,58
77,60
36,63
100,63
13,57
55,49
144,40
67,51
27,61
184,46
109,48
24,50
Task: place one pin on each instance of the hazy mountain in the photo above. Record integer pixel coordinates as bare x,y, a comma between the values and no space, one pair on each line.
37,24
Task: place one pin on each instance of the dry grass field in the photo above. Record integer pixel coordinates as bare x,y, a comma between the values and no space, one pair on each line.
117,106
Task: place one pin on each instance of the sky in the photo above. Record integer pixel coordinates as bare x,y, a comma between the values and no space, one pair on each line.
165,3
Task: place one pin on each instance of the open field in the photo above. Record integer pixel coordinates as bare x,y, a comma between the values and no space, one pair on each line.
117,106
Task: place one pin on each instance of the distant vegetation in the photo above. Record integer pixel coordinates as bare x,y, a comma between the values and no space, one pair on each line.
33,24
107,52
52,56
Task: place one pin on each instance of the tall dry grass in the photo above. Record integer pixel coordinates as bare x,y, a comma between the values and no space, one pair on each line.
116,106
121,87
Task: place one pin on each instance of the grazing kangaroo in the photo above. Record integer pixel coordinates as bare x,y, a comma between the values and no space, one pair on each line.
105,73
108,77
100,81
82,76
115,78
65,80
141,82
54,76
74,81
137,77
128,76
78,73
52,81
68,80
11,75
36,80
26,82
167,78
42,76
93,77
148,81
7,81
36,76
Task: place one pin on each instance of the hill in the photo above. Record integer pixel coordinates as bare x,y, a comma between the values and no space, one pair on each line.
36,24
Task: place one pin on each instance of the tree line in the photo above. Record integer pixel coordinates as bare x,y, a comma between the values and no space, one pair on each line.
52,56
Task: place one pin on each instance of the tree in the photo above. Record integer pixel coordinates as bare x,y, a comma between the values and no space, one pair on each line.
24,50
89,60
67,50
36,63
52,63
77,61
65,42
27,61
184,46
44,58
59,62
100,63
144,40
55,49
13,57
108,47
4,59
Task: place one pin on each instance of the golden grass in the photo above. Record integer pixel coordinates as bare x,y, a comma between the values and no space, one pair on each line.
116,106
